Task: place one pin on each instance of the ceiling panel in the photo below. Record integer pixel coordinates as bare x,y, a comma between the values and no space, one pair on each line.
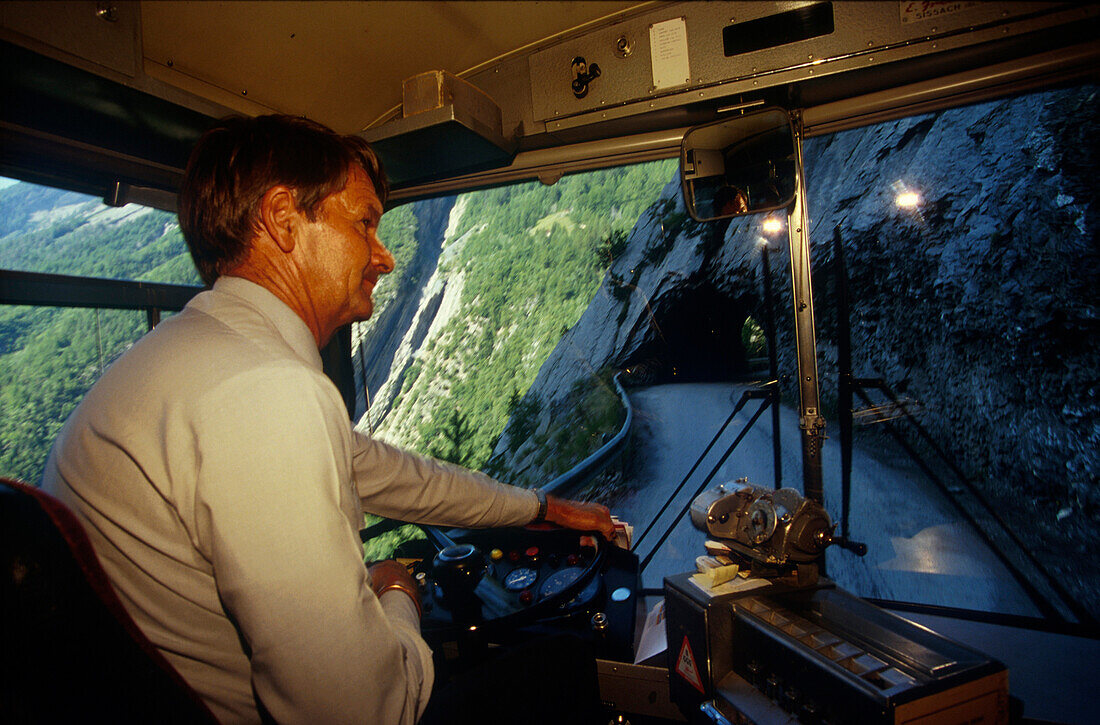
341,63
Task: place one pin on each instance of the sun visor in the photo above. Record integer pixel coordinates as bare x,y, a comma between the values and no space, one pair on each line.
448,128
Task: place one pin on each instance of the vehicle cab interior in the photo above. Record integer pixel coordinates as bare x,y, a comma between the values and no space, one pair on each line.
803,291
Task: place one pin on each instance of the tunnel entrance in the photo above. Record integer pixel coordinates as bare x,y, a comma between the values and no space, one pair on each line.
705,335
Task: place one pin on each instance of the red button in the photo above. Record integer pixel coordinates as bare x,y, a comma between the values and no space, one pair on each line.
532,556
526,597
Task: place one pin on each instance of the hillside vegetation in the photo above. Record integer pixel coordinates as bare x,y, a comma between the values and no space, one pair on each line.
49,357
520,264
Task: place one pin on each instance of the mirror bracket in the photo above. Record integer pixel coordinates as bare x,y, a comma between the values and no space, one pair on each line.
749,164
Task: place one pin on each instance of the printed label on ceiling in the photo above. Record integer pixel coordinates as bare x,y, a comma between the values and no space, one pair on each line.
668,50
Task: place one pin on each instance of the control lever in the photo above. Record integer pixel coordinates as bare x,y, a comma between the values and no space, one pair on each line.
583,74
856,547
710,711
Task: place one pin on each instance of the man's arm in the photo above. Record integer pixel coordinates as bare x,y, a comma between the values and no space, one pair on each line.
404,486
408,487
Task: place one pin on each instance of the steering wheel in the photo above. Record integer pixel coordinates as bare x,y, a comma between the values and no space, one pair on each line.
465,590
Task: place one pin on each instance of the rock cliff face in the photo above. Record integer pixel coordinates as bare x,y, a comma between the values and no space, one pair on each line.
671,308
385,350
979,303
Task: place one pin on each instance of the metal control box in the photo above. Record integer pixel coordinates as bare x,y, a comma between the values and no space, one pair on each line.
445,119
821,655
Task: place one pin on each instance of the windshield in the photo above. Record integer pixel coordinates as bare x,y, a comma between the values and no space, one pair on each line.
488,292
591,336
964,243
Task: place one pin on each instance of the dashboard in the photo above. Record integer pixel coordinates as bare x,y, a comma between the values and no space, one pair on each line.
502,585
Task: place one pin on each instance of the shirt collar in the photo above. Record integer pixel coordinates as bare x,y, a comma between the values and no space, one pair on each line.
289,326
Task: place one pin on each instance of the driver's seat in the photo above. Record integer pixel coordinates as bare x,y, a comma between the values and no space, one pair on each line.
70,652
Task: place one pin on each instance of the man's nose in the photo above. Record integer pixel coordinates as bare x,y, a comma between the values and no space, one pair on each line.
381,257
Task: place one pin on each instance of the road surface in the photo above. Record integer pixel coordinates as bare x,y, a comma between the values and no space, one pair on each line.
920,549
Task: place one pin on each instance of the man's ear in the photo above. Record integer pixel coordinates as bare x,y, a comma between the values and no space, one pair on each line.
279,216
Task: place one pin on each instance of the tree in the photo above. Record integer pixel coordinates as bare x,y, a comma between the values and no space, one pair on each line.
452,442
523,415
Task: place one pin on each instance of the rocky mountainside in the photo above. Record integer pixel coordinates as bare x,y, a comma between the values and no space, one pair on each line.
979,303
402,325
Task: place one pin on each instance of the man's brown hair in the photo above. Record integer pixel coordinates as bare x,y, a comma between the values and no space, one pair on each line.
235,163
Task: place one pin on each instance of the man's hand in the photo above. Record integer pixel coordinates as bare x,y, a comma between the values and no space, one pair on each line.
579,515
388,575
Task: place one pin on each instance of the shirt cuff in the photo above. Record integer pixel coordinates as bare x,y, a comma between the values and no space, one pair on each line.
397,604
404,618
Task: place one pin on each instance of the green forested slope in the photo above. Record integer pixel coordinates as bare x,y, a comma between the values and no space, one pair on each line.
397,230
529,260
49,357
19,202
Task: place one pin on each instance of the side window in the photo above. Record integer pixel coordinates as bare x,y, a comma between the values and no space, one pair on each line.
49,230
49,356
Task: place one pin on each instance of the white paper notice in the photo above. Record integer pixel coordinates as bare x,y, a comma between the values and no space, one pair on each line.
653,640
668,49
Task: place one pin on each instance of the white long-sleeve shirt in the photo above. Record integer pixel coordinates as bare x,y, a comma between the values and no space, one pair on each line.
223,486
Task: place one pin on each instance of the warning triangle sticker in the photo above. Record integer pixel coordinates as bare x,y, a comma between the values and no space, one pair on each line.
685,667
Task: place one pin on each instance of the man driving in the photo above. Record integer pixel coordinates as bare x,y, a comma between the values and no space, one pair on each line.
216,470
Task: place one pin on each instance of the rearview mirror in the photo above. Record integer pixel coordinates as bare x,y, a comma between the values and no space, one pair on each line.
739,166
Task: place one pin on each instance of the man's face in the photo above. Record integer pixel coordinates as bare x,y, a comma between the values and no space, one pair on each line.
342,257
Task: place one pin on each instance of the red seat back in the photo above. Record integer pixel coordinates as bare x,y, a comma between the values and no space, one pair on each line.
69,649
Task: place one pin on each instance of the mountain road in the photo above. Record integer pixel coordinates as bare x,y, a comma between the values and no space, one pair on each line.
920,548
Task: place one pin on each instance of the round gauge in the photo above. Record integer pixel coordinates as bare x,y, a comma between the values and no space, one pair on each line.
761,521
559,580
519,579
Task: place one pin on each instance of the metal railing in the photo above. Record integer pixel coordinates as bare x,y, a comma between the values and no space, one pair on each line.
58,290
602,457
